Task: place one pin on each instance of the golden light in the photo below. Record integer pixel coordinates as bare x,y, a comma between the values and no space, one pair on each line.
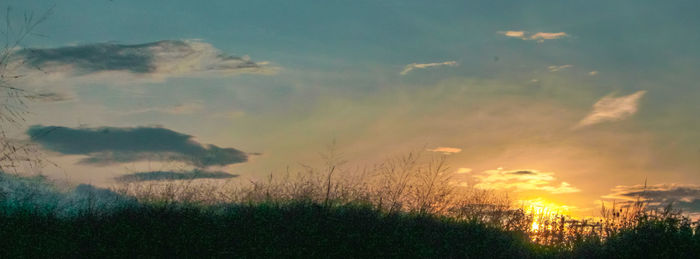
542,210
535,226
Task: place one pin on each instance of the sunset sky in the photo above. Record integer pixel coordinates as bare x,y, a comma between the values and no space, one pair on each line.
572,102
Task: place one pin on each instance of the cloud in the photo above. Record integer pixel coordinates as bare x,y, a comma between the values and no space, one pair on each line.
228,115
523,172
412,66
522,180
108,145
611,108
538,36
514,34
592,73
170,175
185,108
446,150
547,35
179,109
49,97
161,59
683,196
557,68
464,170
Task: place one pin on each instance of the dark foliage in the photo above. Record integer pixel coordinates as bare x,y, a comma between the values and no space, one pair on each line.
298,229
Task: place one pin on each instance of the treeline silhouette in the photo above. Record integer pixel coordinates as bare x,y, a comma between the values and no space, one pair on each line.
404,207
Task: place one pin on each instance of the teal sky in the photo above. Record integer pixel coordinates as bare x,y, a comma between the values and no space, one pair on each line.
590,97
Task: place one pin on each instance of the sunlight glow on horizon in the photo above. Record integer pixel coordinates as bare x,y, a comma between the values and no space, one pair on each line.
542,210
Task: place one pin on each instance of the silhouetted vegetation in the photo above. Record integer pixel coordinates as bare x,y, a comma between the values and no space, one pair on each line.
296,229
16,156
405,207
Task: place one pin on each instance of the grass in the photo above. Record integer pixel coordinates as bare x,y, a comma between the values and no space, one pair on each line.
310,230
402,208
295,229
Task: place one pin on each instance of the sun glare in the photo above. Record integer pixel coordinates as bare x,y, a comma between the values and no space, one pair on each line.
542,210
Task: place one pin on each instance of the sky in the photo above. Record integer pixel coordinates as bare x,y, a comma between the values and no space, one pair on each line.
574,102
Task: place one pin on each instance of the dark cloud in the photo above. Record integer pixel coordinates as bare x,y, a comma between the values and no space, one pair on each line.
96,57
169,175
109,145
168,57
522,173
683,196
49,97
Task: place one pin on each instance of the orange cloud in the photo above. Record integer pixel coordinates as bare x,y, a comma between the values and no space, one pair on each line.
515,34
446,150
464,170
548,35
522,180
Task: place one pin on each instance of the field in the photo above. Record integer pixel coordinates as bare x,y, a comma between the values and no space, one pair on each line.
315,217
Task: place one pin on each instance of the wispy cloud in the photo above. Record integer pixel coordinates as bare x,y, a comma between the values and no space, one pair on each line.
522,180
179,109
161,59
185,108
228,115
557,68
611,108
538,36
109,145
514,34
593,73
50,97
412,66
445,150
464,170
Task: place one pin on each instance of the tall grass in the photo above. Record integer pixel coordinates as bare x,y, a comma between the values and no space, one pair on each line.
406,206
